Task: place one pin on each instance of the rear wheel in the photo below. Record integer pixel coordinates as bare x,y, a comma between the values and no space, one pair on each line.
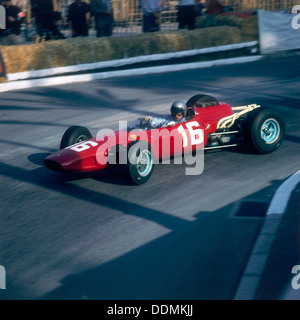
73,135
264,130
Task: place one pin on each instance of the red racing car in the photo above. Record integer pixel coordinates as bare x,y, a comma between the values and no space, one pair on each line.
209,124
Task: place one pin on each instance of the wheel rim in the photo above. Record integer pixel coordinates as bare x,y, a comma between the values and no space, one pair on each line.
270,131
144,163
81,138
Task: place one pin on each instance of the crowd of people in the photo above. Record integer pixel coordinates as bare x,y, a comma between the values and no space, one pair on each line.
188,11
80,14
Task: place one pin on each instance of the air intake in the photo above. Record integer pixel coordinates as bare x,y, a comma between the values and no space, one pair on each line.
52,165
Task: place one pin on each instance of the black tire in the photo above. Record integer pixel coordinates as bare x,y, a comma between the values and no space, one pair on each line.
202,100
264,130
74,135
137,171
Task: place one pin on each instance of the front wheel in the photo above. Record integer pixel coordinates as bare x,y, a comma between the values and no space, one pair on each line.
140,164
264,130
73,135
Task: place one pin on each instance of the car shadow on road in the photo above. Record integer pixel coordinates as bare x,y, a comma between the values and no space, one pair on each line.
180,264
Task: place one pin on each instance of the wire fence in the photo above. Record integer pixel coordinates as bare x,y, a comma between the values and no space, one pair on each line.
128,14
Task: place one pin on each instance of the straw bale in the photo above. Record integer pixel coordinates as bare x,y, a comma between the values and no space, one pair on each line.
60,52
154,44
38,56
182,40
82,50
87,50
199,22
200,38
15,58
250,28
177,40
215,36
103,49
135,46
229,20
224,35
163,42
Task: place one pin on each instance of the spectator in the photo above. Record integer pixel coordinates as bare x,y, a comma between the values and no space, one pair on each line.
77,18
45,17
11,35
214,8
152,15
187,14
104,18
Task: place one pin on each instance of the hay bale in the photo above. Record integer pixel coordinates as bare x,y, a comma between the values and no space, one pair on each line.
199,22
224,35
61,53
155,44
182,41
105,49
220,20
68,52
249,28
82,50
229,20
38,56
170,41
136,46
215,36
15,58
200,38
164,42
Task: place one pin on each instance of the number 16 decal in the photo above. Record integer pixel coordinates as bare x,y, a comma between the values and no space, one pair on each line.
196,134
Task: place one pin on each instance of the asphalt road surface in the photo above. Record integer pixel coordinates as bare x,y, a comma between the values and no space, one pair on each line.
98,237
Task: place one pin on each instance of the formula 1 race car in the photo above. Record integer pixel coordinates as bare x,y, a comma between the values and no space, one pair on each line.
209,124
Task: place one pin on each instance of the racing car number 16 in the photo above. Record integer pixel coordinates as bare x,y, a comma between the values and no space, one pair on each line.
196,134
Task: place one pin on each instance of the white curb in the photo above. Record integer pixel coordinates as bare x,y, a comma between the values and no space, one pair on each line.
259,256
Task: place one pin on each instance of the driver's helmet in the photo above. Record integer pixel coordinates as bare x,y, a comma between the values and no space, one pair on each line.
177,107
